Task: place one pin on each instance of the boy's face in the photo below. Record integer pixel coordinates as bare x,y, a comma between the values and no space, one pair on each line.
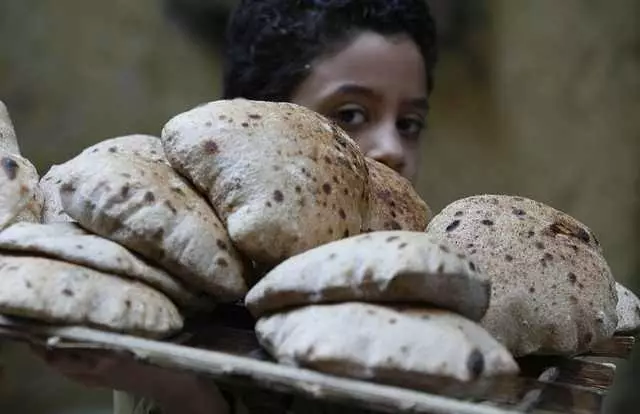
375,89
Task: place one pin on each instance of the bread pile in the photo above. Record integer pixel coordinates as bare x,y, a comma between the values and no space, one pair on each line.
118,239
272,204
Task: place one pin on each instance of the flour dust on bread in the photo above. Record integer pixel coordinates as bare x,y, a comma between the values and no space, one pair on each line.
372,342
392,266
628,310
68,242
19,194
552,290
8,139
281,177
148,208
138,145
59,292
394,204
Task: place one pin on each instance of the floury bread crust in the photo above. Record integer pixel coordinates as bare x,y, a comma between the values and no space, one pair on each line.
8,139
628,310
70,243
374,342
393,266
20,198
281,177
59,292
148,208
394,204
136,145
552,290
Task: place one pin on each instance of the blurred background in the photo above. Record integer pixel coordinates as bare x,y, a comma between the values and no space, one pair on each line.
538,98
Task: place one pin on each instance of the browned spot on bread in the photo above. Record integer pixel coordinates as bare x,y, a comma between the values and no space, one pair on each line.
67,188
458,214
342,214
149,197
475,363
454,225
540,245
278,196
392,239
222,262
124,191
487,222
10,167
170,206
402,246
67,292
508,258
571,230
221,244
572,278
326,187
211,147
519,212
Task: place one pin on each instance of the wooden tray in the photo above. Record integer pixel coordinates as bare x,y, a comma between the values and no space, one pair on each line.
228,352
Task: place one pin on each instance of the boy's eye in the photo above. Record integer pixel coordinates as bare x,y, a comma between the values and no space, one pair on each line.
410,127
350,116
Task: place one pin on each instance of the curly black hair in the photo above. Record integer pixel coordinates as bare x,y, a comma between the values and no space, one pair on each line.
270,44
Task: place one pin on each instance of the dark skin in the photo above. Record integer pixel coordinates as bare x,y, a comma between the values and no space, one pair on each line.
374,88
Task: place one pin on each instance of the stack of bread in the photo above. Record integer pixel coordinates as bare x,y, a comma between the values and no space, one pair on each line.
138,231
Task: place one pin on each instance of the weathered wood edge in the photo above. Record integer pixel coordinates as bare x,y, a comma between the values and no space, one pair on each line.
276,377
534,395
619,346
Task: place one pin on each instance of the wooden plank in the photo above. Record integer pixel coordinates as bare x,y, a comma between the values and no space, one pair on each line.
237,370
620,346
571,371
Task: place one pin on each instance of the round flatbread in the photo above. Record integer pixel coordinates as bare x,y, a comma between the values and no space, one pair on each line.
138,145
70,243
393,266
628,310
552,290
394,204
59,292
148,208
19,194
281,177
144,146
377,343
8,139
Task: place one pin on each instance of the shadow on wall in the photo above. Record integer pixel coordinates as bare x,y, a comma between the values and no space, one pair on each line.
536,98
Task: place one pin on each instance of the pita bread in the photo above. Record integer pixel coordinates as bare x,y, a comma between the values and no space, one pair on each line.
377,343
394,266
552,290
52,210
8,139
281,177
18,189
59,292
138,145
628,310
70,243
394,204
148,208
